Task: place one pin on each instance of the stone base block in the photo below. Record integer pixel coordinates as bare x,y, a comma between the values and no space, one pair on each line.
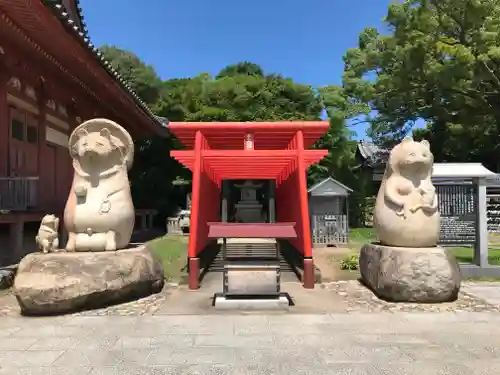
61,282
281,303
252,278
401,274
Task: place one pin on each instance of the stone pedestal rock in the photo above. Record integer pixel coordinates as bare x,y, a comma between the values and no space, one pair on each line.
62,282
400,274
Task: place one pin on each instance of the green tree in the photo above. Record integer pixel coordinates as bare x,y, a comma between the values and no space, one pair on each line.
141,77
240,92
440,63
153,171
340,162
242,68
238,97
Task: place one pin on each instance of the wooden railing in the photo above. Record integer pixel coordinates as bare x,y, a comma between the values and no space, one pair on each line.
146,218
18,193
329,229
173,226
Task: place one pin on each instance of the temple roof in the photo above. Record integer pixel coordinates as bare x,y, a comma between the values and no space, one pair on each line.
74,22
329,187
73,8
371,155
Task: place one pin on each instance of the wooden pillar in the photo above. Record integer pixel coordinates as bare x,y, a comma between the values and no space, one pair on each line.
16,237
308,278
225,192
272,207
481,248
193,260
42,150
4,121
151,217
346,219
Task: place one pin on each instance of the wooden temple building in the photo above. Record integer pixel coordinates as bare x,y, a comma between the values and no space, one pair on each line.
51,79
371,159
276,154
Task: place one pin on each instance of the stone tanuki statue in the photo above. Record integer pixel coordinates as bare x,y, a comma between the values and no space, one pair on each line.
406,209
47,237
99,268
406,265
99,214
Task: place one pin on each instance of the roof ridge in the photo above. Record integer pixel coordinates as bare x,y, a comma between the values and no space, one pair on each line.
83,24
62,13
79,13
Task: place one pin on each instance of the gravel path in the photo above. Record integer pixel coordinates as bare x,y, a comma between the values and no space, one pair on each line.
335,297
360,299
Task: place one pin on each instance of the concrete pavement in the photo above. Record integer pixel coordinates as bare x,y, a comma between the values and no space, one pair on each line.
489,292
400,344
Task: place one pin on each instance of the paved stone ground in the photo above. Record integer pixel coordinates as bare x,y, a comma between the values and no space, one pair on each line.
489,292
337,328
369,344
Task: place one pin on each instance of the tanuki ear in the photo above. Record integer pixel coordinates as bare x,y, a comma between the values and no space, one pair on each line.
106,133
82,133
407,139
425,143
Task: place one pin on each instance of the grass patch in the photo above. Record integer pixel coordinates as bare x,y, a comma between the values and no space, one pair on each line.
172,252
466,255
343,264
360,236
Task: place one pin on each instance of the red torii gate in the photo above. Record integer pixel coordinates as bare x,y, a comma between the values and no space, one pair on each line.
249,150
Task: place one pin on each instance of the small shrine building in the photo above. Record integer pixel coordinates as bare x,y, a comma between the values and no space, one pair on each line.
250,156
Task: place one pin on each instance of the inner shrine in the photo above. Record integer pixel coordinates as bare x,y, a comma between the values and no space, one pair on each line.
266,162
249,209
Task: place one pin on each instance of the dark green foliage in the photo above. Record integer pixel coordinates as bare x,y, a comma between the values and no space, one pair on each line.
350,263
440,63
240,92
241,69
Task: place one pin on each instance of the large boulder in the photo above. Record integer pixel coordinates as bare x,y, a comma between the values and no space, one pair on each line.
401,274
63,282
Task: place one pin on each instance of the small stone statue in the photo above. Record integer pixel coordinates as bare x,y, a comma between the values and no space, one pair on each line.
99,213
249,191
47,238
406,210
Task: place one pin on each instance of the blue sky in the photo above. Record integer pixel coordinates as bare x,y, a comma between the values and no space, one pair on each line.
304,40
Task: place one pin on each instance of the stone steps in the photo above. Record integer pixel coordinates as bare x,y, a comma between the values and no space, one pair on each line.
241,251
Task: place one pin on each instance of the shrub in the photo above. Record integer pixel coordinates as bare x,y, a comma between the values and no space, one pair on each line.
350,263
